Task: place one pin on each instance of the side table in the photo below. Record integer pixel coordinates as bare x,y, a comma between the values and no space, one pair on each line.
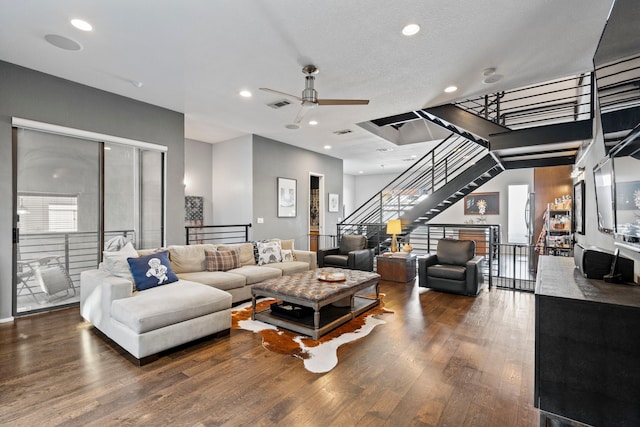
396,268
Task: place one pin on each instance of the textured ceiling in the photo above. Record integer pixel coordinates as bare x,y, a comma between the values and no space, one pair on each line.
195,56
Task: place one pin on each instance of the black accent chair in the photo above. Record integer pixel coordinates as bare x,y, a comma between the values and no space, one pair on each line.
352,254
453,268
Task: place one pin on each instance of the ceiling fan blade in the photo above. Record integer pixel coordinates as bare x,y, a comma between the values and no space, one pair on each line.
266,89
343,101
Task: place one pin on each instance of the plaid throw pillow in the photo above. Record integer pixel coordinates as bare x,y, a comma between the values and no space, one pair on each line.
222,260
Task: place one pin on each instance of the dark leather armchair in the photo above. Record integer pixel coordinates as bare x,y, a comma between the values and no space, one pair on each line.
453,268
352,254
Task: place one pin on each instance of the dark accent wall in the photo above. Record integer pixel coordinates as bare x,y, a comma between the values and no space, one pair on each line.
36,96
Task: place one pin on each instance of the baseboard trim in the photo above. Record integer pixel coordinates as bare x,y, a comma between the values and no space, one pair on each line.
7,320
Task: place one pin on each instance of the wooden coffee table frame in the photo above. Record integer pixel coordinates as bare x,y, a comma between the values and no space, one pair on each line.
323,320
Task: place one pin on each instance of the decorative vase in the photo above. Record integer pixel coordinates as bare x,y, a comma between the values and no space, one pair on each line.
407,247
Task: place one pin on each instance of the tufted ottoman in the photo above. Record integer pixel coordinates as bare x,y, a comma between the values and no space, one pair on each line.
307,290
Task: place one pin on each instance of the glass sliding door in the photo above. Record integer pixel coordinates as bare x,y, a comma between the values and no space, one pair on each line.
74,198
151,199
57,200
133,196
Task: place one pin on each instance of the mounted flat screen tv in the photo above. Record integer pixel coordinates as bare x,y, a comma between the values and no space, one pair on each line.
627,191
603,179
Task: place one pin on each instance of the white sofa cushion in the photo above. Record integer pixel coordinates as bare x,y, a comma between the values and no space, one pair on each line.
255,274
115,262
220,279
188,258
289,267
167,305
246,252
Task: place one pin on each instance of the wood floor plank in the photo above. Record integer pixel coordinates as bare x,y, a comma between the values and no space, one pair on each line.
439,360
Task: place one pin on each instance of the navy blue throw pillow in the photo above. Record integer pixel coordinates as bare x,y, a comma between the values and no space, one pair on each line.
151,270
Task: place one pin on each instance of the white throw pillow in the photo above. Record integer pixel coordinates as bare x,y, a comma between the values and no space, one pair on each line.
287,255
116,262
269,252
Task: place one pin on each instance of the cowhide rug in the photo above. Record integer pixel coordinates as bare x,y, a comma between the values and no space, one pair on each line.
319,356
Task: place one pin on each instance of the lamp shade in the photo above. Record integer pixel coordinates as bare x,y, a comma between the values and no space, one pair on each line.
394,226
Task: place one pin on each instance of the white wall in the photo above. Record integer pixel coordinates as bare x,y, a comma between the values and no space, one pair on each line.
593,237
368,185
198,166
363,187
232,176
500,183
593,154
348,194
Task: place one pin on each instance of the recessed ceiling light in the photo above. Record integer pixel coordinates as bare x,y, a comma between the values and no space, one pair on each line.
63,42
450,89
384,150
292,126
137,83
492,78
245,94
360,171
313,122
327,147
81,25
413,156
411,29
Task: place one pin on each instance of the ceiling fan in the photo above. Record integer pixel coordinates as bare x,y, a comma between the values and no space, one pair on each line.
309,98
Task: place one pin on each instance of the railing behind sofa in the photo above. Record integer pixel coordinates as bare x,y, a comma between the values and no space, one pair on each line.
237,233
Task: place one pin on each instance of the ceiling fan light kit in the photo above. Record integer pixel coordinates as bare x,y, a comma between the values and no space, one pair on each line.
309,98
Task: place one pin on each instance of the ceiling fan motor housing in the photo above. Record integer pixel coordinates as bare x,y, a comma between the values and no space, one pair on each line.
309,94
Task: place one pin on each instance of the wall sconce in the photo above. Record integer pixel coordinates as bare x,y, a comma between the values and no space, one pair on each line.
394,226
576,172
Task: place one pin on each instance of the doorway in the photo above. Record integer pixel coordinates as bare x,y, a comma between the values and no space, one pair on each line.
518,229
316,210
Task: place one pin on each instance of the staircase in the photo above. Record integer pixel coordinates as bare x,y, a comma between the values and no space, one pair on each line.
540,125
453,169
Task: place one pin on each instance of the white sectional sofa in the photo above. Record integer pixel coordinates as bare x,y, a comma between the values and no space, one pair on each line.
147,322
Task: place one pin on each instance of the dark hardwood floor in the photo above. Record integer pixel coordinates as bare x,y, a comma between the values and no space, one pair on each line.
440,360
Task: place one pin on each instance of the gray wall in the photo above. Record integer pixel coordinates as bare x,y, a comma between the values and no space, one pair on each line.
33,95
273,159
198,164
232,177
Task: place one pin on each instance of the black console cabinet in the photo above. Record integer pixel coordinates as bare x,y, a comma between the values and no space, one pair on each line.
587,349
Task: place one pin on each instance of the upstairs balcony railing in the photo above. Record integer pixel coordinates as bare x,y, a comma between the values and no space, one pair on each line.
217,234
558,101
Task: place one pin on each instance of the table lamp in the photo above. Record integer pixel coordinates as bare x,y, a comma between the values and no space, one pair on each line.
394,226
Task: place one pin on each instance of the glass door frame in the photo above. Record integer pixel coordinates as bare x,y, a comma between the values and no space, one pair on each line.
101,139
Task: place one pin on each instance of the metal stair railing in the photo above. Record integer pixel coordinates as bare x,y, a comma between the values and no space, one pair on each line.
447,160
558,101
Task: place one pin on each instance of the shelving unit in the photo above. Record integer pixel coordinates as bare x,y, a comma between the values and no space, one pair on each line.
556,234
558,225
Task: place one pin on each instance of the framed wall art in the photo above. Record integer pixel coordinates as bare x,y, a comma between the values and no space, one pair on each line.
287,195
334,202
578,207
482,204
